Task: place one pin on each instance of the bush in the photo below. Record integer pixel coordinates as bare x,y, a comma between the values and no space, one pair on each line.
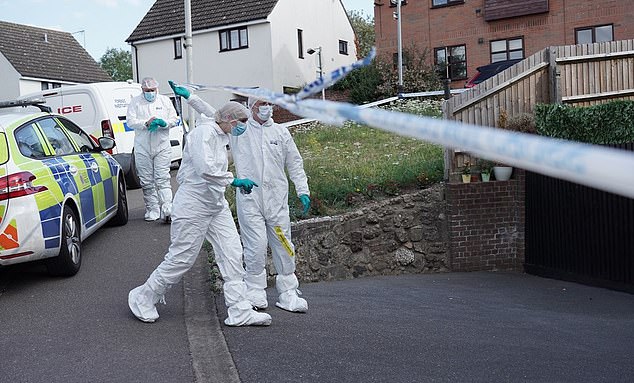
418,74
609,123
380,79
363,84
524,122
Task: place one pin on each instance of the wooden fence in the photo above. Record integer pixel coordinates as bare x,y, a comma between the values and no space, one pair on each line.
580,75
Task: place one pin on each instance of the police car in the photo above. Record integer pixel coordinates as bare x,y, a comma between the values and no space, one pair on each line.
57,186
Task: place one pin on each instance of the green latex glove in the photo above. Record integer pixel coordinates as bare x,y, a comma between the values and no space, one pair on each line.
305,199
160,122
153,126
245,184
179,90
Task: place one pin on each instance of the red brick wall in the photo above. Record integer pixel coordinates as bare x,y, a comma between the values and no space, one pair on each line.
486,224
461,24
282,115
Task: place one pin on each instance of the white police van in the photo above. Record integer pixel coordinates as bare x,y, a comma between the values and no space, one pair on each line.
100,109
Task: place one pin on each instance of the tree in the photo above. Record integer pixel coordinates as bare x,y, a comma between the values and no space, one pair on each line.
363,26
117,63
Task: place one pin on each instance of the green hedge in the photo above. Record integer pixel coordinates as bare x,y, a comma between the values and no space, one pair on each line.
610,123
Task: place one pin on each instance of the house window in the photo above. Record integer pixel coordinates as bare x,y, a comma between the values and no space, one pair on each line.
509,49
178,48
596,34
445,3
50,85
395,60
231,39
343,47
300,44
451,62
394,3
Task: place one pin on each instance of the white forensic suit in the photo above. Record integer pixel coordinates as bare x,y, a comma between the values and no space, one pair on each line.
152,152
201,211
263,154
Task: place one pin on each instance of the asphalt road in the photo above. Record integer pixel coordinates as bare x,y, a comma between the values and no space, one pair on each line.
80,329
453,327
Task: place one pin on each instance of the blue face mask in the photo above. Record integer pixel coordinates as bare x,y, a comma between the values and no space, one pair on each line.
238,129
149,96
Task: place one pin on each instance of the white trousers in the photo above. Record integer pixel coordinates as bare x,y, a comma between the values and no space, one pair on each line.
154,175
193,220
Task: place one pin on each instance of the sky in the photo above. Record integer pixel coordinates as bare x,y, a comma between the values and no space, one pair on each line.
99,24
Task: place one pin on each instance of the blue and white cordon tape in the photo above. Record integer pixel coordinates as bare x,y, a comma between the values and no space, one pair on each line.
599,167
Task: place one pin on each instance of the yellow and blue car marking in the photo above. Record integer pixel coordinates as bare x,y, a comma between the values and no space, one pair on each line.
89,179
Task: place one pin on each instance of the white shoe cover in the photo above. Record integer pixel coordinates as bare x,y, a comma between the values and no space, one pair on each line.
166,213
257,298
253,318
142,302
256,293
290,301
152,215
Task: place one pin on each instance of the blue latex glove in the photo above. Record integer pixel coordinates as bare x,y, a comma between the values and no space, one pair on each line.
160,122
244,183
153,126
179,90
306,202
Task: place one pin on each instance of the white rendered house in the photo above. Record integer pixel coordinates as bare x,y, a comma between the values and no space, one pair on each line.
247,43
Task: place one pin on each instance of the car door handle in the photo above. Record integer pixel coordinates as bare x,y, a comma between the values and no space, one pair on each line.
72,169
94,167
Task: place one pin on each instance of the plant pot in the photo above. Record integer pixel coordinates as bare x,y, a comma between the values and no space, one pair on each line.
486,177
466,178
475,178
502,173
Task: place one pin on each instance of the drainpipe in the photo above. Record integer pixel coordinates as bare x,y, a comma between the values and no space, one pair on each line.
136,61
188,57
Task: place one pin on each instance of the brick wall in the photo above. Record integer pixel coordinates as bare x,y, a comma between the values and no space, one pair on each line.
486,224
282,115
464,24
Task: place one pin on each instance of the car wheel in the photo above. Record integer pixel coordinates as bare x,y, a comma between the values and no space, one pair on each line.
121,218
131,178
68,261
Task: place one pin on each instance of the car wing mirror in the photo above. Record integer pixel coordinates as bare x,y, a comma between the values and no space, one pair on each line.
106,143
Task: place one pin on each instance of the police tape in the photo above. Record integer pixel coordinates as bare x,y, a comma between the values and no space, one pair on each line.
596,166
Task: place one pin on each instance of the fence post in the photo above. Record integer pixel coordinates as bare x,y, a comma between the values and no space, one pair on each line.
554,75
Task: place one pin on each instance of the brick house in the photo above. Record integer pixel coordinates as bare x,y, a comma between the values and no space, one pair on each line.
467,34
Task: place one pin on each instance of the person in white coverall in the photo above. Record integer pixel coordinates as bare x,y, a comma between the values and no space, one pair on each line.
265,153
151,115
201,211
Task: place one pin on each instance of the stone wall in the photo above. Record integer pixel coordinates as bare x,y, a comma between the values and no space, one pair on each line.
405,234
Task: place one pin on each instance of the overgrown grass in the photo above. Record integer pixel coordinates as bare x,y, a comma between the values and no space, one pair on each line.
348,164
351,164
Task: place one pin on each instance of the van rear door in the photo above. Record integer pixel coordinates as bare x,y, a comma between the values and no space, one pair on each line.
77,105
117,98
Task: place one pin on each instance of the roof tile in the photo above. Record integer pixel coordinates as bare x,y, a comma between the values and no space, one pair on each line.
49,54
167,17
